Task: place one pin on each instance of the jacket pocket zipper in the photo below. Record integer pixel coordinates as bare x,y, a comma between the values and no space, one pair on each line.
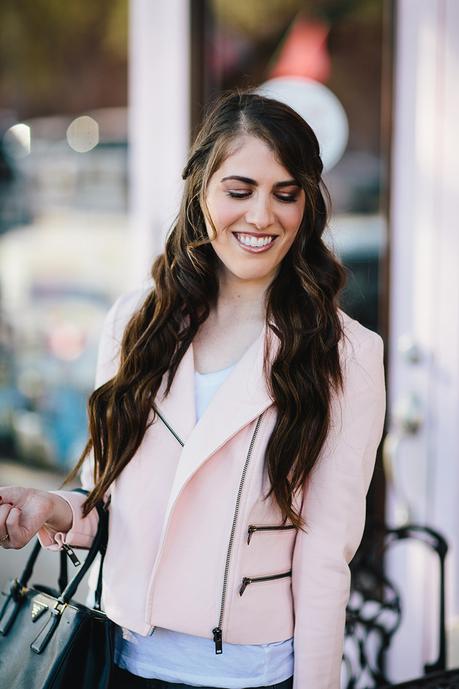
250,580
252,528
217,631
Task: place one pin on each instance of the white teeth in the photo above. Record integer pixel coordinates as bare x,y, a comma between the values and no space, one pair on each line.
248,240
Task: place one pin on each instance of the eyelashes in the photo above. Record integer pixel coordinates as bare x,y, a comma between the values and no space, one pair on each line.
284,198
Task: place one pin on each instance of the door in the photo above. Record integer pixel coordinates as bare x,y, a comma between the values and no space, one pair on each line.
421,455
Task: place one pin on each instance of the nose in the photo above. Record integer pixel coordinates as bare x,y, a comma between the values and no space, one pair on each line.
260,214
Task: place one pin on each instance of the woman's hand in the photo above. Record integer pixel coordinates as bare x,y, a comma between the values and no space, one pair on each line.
23,511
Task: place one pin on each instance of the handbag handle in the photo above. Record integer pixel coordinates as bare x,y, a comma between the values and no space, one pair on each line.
99,544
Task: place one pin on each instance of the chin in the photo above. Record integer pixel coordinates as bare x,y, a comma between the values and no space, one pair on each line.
248,272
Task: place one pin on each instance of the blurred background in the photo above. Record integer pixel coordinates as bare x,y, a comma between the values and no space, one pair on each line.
98,105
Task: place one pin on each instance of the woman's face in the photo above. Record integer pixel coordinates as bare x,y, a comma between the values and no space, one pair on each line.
256,208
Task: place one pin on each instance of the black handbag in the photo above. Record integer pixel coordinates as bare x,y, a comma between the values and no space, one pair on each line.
48,640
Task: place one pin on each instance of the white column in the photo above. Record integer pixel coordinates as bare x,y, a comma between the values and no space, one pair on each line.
425,307
444,504
158,123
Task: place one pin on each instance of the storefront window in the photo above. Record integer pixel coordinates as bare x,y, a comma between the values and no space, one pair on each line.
63,215
342,46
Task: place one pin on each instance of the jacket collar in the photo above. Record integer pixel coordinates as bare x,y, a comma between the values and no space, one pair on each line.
240,399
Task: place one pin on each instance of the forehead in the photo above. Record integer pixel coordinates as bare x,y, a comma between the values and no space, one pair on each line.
249,156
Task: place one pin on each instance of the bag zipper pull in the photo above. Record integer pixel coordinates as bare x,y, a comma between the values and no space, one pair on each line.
217,632
71,553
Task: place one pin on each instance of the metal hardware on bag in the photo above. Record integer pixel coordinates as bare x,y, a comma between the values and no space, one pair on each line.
59,607
38,609
17,590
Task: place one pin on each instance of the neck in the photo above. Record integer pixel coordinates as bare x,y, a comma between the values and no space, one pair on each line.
243,300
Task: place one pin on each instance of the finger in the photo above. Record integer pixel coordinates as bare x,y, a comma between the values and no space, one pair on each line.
17,534
5,509
4,512
11,494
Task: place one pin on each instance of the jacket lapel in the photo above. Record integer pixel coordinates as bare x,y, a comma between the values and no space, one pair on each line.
178,408
240,399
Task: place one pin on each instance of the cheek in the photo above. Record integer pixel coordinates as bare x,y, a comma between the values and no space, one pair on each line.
291,221
223,213
292,217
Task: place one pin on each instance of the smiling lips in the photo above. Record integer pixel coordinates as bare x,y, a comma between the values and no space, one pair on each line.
254,243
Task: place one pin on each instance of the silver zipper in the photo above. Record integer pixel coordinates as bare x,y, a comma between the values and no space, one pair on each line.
168,426
252,528
217,631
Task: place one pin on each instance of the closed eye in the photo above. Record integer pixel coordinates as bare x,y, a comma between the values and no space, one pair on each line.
285,198
238,194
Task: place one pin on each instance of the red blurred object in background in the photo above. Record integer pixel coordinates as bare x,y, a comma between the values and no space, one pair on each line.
304,52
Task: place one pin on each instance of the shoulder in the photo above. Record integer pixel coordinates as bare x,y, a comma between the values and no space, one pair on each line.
361,349
356,336
113,328
123,309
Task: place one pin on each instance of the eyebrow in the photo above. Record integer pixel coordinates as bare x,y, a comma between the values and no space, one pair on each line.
254,183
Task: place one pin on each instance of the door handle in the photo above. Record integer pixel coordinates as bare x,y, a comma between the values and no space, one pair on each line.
408,419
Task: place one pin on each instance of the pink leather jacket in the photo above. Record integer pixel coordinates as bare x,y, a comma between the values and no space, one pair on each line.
192,545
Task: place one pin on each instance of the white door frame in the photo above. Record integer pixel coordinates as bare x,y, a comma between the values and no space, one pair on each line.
424,318
158,123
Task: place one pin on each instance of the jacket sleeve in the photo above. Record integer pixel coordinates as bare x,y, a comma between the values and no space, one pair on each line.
334,514
83,530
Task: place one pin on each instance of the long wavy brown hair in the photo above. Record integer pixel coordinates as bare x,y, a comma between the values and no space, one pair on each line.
301,306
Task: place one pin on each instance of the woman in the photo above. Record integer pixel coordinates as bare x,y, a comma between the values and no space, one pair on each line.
231,529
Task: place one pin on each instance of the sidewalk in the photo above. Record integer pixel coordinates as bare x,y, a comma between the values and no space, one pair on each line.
13,561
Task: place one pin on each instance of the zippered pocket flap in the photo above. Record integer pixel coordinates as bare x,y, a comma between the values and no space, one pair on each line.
253,580
252,528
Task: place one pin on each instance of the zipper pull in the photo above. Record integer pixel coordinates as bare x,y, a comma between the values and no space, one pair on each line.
217,632
71,554
245,582
251,530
